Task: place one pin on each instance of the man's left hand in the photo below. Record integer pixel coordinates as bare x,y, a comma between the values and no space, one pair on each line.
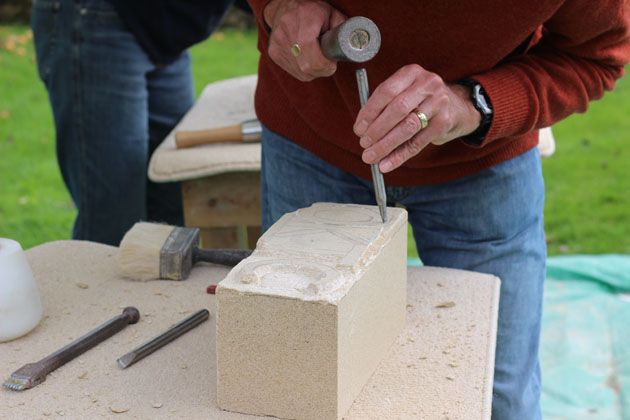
389,126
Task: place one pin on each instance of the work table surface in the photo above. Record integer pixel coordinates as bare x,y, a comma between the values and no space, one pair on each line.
439,368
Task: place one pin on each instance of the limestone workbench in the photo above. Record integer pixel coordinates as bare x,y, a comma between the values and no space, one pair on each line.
439,368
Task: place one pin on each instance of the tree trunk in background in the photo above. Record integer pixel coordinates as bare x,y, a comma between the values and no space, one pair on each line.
15,11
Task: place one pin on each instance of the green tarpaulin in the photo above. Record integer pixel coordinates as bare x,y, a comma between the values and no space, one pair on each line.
585,347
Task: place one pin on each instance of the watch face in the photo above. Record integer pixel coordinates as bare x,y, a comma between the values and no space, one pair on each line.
480,99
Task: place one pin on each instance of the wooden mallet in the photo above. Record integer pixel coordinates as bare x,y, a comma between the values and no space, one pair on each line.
245,132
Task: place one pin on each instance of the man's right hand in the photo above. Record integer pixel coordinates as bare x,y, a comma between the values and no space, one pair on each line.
301,22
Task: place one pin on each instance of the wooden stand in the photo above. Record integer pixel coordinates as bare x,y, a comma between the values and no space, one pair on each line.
226,207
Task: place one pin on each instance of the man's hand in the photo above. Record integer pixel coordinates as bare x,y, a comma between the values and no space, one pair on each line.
301,22
389,128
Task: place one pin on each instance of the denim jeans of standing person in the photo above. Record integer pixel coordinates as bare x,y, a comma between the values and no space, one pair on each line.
490,222
112,107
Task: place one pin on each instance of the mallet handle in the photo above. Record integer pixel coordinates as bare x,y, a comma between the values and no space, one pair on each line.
229,257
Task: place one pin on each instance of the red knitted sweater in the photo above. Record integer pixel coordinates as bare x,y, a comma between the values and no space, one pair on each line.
539,62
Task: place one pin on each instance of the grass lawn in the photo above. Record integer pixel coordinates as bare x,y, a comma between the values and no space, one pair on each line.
587,208
588,182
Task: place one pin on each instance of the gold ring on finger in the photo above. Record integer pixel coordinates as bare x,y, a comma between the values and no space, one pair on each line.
424,121
296,50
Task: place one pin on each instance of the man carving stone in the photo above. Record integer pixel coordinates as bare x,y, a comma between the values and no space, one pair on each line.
460,90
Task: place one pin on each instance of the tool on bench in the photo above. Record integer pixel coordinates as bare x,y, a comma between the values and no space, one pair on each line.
156,251
245,132
358,40
33,374
161,340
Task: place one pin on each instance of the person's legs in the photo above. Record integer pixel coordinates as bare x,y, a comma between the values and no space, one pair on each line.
171,95
96,76
492,222
53,25
94,72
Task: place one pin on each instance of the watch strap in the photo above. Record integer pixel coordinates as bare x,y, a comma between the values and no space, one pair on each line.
477,137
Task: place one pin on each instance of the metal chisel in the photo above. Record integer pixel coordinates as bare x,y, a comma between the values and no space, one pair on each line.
377,176
161,340
33,374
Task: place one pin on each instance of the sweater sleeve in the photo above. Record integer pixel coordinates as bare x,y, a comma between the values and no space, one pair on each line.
580,55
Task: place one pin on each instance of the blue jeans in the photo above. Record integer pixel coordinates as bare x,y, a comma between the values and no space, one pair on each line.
490,222
112,107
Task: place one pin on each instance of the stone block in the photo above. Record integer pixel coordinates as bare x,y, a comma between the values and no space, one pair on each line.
304,322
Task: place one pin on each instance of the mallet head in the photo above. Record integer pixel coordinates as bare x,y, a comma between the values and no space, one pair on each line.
357,39
176,256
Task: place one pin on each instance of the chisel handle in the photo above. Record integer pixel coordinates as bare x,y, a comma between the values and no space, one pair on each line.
192,138
247,131
229,257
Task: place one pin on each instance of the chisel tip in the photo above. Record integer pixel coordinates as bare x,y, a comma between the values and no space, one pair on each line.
127,360
383,209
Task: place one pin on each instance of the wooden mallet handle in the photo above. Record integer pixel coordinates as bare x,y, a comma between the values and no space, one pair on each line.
247,131
193,138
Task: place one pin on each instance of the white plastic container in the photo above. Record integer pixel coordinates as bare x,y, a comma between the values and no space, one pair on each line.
20,305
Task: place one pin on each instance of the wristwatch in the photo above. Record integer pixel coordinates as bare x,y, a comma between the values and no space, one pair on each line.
482,104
